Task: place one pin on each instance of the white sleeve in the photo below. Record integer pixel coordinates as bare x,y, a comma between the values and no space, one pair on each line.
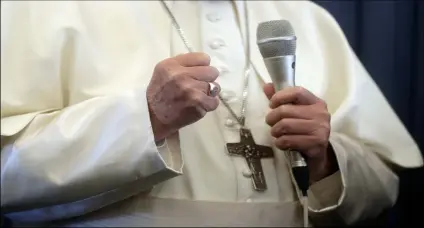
53,154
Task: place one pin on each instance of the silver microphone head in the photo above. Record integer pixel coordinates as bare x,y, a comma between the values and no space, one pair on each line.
277,43
276,38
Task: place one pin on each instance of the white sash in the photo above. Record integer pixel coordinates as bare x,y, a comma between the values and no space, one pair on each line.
153,212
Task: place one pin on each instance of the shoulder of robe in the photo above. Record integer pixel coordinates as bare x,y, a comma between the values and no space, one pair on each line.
28,31
318,17
45,16
311,22
68,51
36,15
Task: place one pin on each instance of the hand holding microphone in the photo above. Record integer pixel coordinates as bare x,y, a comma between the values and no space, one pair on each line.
299,120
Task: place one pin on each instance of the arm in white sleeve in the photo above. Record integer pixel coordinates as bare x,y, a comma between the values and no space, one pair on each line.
76,156
367,136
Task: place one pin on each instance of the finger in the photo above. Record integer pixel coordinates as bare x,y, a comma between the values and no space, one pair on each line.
208,103
297,142
203,73
193,59
295,95
289,111
290,126
269,90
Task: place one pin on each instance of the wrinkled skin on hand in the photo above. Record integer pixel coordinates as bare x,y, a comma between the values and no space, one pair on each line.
177,94
300,121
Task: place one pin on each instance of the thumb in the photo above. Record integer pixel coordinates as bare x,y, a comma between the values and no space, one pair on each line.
269,90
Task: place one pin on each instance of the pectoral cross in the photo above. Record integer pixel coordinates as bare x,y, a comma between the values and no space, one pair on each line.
253,154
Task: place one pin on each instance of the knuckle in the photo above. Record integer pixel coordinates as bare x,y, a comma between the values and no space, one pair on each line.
162,67
274,99
327,126
186,90
195,100
285,111
275,132
280,129
322,140
321,127
323,104
168,68
283,143
325,116
179,83
299,91
282,109
177,72
285,127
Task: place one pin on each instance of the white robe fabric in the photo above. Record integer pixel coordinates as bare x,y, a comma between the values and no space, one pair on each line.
77,142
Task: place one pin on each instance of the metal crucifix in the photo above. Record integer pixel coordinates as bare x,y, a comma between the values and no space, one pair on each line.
253,154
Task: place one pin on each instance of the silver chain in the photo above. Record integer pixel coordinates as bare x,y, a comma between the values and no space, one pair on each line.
242,117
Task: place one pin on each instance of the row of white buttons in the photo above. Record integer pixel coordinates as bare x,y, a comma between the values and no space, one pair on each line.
227,96
216,44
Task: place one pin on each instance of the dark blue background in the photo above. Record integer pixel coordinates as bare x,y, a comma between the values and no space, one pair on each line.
388,37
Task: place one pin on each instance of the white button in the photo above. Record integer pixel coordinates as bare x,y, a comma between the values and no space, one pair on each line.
230,123
217,43
228,96
247,173
213,17
222,69
249,200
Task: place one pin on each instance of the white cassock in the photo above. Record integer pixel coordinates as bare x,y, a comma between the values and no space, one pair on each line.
76,135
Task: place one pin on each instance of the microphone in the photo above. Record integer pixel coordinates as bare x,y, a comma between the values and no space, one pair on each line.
277,44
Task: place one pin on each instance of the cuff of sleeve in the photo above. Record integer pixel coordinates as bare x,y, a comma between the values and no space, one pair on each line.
329,193
325,194
168,150
170,153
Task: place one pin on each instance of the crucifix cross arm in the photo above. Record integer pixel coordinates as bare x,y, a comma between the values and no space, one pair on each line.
253,153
